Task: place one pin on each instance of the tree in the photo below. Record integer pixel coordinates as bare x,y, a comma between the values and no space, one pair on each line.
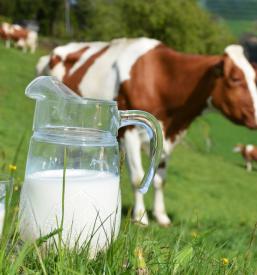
181,24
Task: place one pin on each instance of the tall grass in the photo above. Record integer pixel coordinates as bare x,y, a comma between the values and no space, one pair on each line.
135,251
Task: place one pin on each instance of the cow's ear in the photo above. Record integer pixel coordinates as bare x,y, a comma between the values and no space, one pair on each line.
218,69
229,68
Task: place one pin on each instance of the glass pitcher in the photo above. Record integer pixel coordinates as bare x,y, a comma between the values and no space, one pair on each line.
72,172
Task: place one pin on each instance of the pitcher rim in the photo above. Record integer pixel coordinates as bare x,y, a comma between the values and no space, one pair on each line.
100,101
87,100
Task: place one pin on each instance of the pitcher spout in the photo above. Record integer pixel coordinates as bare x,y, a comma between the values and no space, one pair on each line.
48,87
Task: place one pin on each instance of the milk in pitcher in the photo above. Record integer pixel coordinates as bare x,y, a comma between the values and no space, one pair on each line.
87,130
92,206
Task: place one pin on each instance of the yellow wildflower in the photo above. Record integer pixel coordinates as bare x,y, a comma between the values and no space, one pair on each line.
16,188
225,261
12,167
140,257
141,265
194,234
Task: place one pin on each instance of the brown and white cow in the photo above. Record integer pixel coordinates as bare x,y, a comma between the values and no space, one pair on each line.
175,87
249,153
4,33
21,37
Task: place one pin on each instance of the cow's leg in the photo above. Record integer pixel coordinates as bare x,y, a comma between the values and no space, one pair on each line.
248,166
159,210
132,145
33,49
24,49
8,43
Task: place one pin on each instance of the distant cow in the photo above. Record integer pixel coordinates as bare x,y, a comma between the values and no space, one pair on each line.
249,153
145,74
5,33
23,38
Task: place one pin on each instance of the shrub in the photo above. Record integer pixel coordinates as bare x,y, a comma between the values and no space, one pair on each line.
181,24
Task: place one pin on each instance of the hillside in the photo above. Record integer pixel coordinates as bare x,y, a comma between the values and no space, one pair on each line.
239,15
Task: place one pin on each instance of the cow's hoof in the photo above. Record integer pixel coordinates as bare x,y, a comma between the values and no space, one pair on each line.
141,218
163,219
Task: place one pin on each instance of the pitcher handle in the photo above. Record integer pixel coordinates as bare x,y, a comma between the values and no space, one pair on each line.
152,126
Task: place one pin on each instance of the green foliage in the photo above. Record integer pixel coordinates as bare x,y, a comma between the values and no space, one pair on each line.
5,19
46,12
106,21
181,24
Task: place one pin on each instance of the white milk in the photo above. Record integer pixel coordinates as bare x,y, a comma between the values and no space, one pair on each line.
92,207
2,213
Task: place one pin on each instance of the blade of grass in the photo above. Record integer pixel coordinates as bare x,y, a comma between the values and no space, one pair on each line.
40,259
63,195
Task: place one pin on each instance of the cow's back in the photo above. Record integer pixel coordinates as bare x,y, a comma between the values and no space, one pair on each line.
101,80
112,67
17,33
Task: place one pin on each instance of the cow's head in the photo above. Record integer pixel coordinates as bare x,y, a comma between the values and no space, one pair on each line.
56,67
235,94
42,67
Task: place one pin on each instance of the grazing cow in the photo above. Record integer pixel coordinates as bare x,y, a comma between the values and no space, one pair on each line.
23,38
4,33
145,74
249,153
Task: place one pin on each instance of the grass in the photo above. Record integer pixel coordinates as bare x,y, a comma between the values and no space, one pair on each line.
209,196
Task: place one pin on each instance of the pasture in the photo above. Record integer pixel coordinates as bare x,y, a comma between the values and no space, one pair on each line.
209,195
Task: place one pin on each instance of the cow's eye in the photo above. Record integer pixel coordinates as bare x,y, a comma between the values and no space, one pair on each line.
236,80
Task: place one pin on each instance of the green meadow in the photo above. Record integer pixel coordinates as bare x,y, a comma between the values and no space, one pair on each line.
210,197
